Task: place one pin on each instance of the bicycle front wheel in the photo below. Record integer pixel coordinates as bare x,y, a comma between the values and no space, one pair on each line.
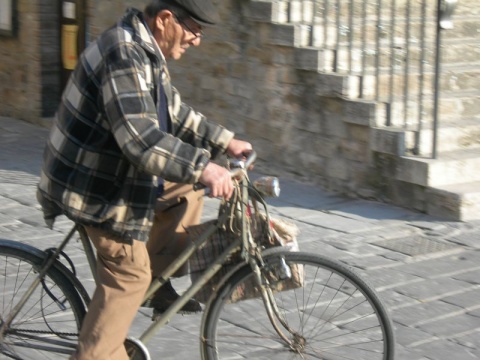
47,326
333,315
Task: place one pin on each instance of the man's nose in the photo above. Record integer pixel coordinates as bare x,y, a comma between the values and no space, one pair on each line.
196,41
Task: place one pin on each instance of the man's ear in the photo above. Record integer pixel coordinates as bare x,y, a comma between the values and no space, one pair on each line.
163,18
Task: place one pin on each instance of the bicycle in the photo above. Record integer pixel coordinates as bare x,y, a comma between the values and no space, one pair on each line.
334,314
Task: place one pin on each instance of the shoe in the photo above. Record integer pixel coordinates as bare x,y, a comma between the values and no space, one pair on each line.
166,296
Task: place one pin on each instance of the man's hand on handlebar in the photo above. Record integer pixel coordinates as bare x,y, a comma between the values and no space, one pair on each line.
239,149
218,180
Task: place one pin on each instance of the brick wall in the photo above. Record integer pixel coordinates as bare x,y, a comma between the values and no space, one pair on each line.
49,49
20,89
30,62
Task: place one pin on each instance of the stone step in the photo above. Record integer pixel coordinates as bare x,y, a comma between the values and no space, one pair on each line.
375,114
453,79
450,137
462,53
305,11
454,76
465,134
461,50
464,26
466,8
366,35
452,107
447,169
329,34
457,202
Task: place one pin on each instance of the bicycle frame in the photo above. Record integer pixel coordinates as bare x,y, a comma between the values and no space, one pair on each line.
251,253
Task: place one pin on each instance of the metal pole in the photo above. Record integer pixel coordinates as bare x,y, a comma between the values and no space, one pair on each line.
421,80
377,50
445,10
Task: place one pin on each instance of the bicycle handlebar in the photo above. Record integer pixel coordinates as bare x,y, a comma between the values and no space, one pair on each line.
239,166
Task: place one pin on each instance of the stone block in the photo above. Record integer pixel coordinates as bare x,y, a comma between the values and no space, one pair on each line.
388,141
417,194
336,85
458,202
359,112
239,70
262,11
338,168
290,35
314,59
354,150
284,56
359,132
335,127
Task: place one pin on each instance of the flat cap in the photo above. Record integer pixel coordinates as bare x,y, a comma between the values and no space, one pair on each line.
202,11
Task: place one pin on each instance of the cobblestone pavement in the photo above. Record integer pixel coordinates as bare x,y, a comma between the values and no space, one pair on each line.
427,270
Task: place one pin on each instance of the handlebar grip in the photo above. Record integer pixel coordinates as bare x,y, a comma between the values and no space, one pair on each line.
198,186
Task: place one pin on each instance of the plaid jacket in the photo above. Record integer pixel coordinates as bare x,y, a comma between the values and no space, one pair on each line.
105,149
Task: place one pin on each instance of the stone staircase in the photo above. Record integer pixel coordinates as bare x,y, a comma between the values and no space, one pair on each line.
448,186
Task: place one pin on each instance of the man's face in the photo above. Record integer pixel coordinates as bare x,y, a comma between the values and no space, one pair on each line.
177,35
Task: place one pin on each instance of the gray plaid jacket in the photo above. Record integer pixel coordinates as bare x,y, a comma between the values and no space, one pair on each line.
105,149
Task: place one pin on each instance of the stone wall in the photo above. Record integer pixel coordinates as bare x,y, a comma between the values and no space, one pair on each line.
103,14
300,126
238,77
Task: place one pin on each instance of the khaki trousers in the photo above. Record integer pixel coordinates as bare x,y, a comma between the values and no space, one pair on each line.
124,272
123,276
178,207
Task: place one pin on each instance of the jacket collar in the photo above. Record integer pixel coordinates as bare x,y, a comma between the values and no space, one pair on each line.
135,21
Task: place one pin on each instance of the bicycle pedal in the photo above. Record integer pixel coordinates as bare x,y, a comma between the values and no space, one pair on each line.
156,314
155,317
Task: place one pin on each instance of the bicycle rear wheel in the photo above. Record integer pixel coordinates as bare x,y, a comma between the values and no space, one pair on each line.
47,326
335,315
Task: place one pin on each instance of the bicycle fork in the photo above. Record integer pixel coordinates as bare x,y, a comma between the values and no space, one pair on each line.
298,343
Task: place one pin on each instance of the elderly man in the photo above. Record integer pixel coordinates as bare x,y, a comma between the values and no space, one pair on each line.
120,155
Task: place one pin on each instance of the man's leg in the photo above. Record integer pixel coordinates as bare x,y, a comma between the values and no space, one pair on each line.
178,207
123,276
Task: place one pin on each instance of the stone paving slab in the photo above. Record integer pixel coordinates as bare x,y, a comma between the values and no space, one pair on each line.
433,295
467,299
444,266
417,314
430,290
444,350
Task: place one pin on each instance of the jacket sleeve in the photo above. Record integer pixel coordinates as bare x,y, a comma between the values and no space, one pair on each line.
194,128
131,113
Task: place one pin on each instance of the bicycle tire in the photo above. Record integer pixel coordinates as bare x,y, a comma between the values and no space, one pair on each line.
47,326
337,314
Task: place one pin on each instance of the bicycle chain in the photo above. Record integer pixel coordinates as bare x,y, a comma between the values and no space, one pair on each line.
19,332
